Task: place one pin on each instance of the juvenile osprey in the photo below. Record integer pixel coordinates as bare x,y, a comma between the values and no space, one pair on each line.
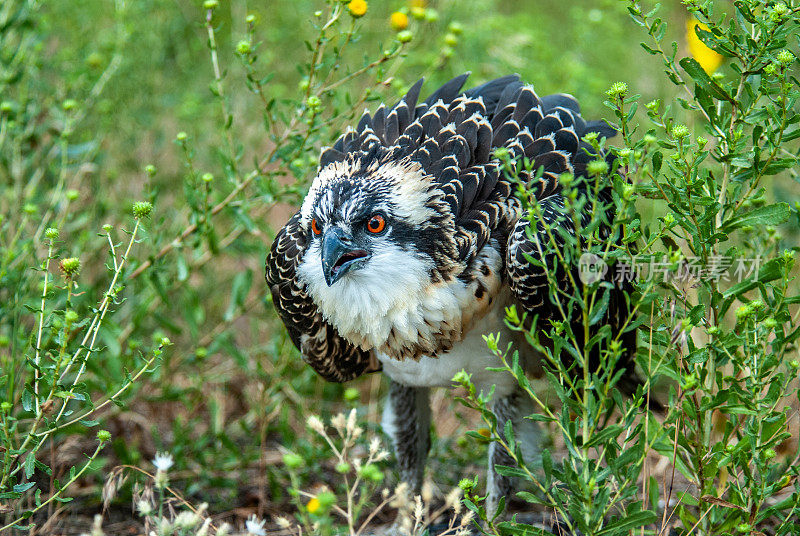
411,243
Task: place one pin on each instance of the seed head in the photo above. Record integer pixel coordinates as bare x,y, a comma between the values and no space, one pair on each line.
103,436
617,89
455,28
357,8
405,36
51,233
342,468
181,136
680,131
69,104
450,39
314,102
142,209
371,472
243,47
597,167
70,266
210,4
292,460
398,21
351,394
70,317
785,57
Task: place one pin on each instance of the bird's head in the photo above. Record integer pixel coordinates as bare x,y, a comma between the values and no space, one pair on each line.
368,217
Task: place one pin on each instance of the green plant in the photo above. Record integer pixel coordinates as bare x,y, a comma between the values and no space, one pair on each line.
719,336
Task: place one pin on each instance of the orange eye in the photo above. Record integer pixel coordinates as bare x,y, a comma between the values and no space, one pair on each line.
315,227
376,224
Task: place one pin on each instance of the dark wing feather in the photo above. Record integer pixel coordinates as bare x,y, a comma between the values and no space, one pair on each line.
333,357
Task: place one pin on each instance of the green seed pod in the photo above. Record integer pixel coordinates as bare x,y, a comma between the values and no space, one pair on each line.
617,89
71,266
51,233
243,47
680,131
103,436
405,36
142,209
597,167
342,468
292,460
70,317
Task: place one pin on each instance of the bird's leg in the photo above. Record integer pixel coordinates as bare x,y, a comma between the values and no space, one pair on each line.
514,407
407,420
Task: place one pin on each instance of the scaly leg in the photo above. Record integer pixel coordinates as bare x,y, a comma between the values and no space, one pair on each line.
407,420
514,407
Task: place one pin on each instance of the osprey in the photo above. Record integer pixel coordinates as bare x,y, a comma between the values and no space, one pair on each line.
411,243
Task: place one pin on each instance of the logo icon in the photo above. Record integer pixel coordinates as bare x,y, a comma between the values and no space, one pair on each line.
591,268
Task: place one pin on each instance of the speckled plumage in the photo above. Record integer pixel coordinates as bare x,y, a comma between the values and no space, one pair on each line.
455,249
431,165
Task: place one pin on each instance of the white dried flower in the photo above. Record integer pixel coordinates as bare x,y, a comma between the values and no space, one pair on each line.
453,500
315,424
339,422
144,507
351,421
255,526
418,508
163,461
374,445
400,496
203,530
223,530
282,522
186,520
382,455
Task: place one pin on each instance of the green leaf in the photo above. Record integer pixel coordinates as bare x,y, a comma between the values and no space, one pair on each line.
629,522
702,79
30,465
768,215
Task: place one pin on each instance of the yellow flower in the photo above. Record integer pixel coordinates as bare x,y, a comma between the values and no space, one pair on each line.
357,8
419,3
707,58
485,432
399,21
313,505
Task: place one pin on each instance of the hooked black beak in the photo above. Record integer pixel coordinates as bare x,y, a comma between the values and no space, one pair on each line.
339,254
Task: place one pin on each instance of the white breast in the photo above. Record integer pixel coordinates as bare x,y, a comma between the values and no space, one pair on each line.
471,354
